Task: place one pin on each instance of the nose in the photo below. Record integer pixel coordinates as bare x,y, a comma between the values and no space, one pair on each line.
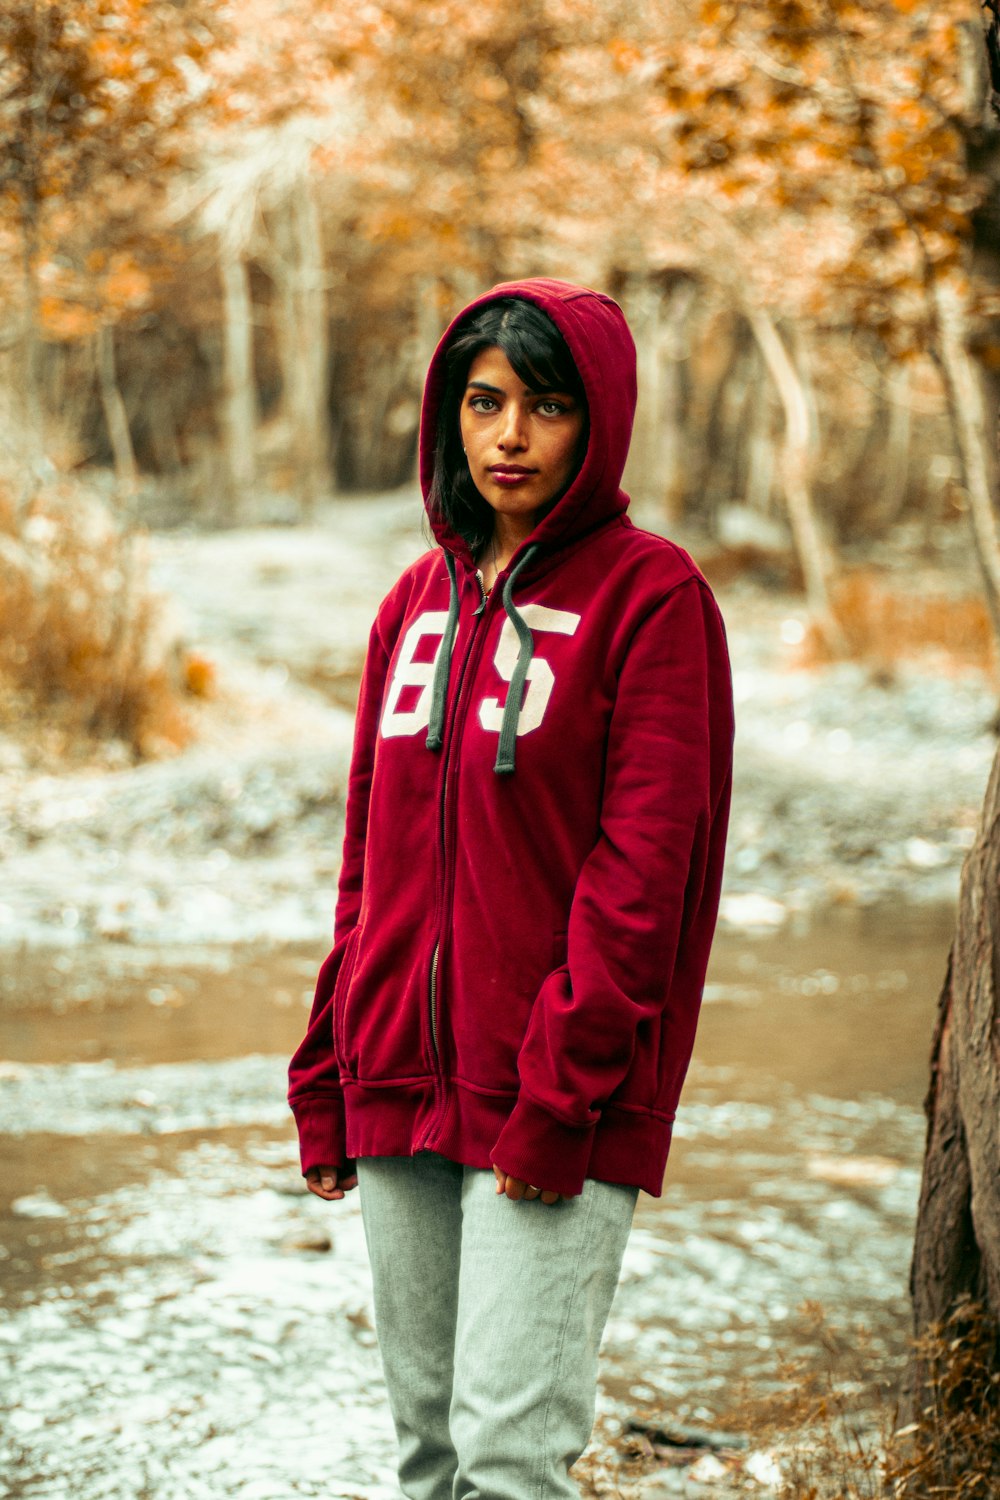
513,429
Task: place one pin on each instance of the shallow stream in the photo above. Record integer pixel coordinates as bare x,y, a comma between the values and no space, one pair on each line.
180,1319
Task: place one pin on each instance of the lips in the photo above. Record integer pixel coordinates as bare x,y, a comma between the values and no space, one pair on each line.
509,479
511,469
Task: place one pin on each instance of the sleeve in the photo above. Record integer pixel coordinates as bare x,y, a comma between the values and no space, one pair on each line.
650,882
314,1092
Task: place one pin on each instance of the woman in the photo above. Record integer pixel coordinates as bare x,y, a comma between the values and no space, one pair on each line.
536,819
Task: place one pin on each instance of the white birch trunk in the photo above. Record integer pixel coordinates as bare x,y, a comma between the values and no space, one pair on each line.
971,427
239,395
668,451
303,340
645,309
115,415
898,439
795,467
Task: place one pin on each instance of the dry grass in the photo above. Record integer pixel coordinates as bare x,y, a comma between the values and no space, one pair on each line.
83,650
831,1426
884,624
951,1449
836,1434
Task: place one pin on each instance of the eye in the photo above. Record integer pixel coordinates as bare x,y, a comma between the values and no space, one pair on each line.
550,407
482,403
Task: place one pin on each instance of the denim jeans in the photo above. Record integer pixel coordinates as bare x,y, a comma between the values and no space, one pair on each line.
489,1316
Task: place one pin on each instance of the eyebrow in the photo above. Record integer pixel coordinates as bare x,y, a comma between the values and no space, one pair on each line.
494,390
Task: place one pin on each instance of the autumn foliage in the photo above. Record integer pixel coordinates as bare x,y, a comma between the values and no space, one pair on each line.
231,236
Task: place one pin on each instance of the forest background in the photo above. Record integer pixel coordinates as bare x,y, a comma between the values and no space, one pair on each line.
229,240
232,239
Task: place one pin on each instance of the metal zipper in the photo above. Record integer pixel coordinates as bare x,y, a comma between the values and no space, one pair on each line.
432,987
433,1001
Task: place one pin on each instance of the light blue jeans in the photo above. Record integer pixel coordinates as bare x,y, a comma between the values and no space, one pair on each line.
489,1316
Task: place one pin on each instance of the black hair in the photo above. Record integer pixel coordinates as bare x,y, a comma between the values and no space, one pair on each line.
539,355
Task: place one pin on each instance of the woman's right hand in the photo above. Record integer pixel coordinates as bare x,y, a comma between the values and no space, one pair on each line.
331,1183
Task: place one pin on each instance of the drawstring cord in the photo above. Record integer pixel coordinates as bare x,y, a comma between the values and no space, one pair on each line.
442,666
512,708
506,750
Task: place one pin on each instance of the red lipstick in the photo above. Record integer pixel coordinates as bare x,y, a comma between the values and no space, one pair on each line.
511,473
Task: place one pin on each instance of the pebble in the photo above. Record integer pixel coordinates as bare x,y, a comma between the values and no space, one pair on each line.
314,1241
38,1206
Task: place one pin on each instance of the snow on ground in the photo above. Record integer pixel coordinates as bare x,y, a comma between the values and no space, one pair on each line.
847,788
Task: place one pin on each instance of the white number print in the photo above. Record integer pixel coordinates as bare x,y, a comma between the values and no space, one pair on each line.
540,679
410,673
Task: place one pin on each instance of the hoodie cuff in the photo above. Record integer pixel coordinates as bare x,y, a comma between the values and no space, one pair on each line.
319,1119
542,1150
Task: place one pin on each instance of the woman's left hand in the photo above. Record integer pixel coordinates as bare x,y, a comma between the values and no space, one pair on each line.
516,1188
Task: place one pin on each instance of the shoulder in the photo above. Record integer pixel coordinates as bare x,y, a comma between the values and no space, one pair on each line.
650,567
393,609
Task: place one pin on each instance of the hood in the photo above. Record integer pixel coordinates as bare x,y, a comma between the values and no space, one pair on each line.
599,340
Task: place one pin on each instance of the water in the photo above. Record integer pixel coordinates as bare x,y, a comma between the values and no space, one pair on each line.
180,1319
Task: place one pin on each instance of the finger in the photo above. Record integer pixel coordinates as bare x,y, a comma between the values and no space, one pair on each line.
322,1181
515,1188
349,1182
550,1197
501,1178
329,1195
531,1192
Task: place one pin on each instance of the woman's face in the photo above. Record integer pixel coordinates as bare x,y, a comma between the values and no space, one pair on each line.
521,445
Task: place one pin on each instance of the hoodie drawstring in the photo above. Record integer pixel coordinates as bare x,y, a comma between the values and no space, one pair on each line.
512,708
506,749
442,666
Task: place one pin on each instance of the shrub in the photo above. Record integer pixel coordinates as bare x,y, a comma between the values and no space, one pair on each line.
83,645
884,624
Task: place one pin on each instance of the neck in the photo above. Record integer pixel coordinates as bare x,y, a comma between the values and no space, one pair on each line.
508,534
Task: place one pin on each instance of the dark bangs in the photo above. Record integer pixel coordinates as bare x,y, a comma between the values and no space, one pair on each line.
539,355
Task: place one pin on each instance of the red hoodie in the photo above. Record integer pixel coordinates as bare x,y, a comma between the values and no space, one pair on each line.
527,901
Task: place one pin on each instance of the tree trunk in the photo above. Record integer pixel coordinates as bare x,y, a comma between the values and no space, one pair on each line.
115,415
429,325
796,465
303,337
897,445
656,463
28,433
760,465
669,451
645,311
957,1245
973,430
240,400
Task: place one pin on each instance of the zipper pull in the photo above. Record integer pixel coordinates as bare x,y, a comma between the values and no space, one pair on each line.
483,601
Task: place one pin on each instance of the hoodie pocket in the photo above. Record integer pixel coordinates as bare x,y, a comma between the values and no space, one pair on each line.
340,990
